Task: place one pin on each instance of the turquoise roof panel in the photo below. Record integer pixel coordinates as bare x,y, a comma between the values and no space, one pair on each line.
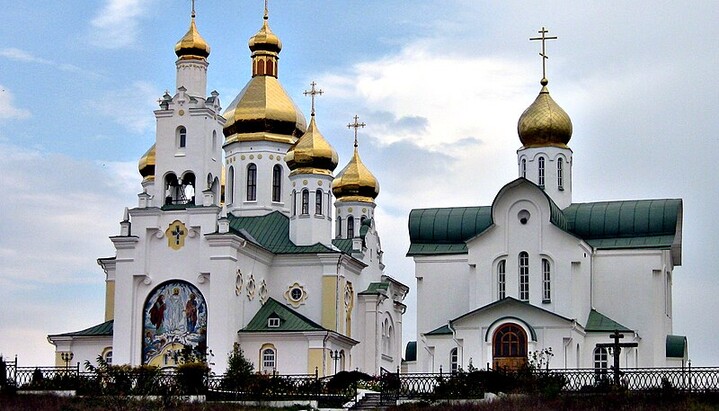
676,346
410,352
103,329
598,322
443,330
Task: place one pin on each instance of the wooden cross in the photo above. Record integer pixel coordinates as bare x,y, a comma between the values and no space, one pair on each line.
356,125
544,39
616,347
312,93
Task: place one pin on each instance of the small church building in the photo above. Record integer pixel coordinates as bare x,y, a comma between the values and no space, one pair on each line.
535,273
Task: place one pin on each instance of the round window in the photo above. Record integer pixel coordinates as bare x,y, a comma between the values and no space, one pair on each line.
296,294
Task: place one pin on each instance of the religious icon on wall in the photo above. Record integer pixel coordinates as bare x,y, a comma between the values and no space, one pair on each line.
174,324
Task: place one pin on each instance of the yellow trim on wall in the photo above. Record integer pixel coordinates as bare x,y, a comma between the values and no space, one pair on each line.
315,360
109,300
329,302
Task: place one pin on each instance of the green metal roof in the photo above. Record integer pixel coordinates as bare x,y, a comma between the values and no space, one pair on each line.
443,330
290,320
104,329
603,225
271,232
601,323
410,352
676,346
375,288
343,244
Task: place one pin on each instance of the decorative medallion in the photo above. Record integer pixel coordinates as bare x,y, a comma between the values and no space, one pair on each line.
238,283
304,182
181,112
349,296
296,295
264,292
259,156
364,210
176,234
174,320
252,156
242,157
349,209
251,288
319,183
272,157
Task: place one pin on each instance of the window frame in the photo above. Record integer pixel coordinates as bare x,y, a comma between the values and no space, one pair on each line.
277,183
251,182
305,202
350,227
523,265
546,281
319,197
453,360
560,174
540,171
502,279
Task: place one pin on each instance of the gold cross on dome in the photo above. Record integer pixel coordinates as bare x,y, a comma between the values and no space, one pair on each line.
356,125
312,93
543,38
193,9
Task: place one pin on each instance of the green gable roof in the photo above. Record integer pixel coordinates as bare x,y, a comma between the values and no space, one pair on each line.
271,232
410,352
376,288
290,320
603,225
443,330
599,322
676,346
104,329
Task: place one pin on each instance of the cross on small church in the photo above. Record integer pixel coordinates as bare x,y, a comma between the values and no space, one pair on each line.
193,9
312,93
616,348
356,125
544,39
177,232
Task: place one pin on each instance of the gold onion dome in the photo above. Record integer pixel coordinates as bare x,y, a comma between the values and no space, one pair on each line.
312,153
544,123
355,182
263,111
146,165
265,39
192,45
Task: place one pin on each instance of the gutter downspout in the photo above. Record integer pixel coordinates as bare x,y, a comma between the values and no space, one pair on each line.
456,341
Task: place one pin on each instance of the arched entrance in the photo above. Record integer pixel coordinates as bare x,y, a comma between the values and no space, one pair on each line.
174,324
509,347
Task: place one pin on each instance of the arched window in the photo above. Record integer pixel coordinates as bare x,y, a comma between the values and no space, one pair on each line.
339,228
214,140
277,183
502,279
546,281
560,174
329,204
541,172
260,67
230,185
108,357
269,360
318,202
524,168
252,182
524,276
172,189
268,68
294,202
453,360
305,202
350,227
181,137
601,363
510,340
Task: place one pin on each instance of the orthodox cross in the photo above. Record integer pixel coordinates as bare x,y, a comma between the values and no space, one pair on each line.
356,125
177,233
312,93
267,12
544,39
616,348
193,9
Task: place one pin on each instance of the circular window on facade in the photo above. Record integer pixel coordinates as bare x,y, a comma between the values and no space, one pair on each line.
523,216
296,295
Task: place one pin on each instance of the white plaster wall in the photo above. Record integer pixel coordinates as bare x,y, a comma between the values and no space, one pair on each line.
311,228
551,155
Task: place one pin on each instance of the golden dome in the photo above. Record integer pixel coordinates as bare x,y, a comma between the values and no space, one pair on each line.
263,111
544,123
355,182
192,45
312,153
146,165
265,39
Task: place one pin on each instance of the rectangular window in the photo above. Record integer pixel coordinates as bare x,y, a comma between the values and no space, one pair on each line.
560,174
541,172
318,202
524,276
251,182
305,202
546,282
501,279
273,322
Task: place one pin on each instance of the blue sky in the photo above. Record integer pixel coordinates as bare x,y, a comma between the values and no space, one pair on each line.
439,84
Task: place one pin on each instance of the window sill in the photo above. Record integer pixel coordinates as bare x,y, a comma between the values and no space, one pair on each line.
546,301
180,154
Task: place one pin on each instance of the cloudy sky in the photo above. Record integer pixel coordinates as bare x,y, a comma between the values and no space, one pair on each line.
439,84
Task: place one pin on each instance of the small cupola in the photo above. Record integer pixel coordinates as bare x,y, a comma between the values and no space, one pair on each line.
192,46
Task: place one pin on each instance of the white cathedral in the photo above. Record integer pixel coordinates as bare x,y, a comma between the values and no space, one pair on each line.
203,264
232,242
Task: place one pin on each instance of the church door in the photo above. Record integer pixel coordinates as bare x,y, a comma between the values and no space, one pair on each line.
509,347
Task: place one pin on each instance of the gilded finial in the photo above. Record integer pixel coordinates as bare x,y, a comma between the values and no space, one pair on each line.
312,93
356,125
544,38
267,12
193,9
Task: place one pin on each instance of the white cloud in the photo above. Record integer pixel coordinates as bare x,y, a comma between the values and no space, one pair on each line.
27,57
135,103
116,25
7,106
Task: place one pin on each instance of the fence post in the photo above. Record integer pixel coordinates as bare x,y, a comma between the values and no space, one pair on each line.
3,373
